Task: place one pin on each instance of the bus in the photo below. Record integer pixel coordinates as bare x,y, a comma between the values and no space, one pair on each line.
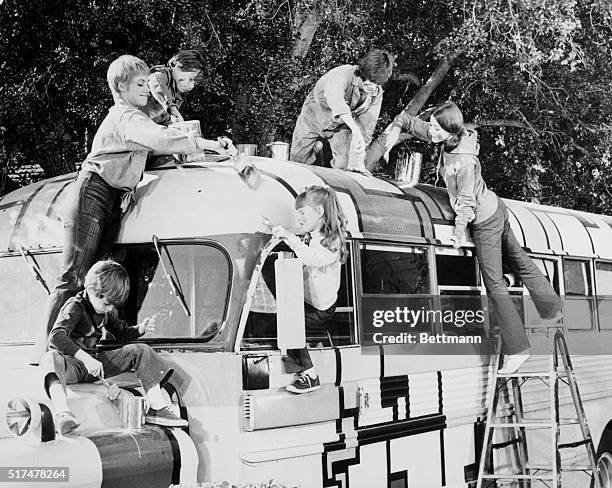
195,247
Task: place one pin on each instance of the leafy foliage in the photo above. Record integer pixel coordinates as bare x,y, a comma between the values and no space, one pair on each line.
534,75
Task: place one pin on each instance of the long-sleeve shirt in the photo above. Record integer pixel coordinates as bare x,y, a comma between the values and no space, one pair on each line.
460,168
123,141
78,326
164,94
321,270
339,92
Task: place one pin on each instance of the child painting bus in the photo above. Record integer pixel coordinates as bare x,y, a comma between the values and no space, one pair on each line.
323,250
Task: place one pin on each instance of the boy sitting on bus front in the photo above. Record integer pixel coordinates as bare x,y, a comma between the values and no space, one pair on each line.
73,357
107,181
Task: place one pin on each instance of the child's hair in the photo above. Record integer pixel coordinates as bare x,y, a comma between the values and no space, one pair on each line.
334,220
109,278
450,119
376,66
122,70
188,60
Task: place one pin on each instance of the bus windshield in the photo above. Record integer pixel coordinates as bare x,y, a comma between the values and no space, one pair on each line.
203,271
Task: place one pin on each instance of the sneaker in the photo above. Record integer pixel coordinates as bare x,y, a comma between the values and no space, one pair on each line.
164,416
66,423
303,383
513,362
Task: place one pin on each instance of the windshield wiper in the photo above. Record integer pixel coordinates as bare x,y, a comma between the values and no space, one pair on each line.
35,269
174,284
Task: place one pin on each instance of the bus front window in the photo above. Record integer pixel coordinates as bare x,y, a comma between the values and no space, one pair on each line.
202,272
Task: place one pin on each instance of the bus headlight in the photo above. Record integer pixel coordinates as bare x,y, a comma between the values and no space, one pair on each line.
22,417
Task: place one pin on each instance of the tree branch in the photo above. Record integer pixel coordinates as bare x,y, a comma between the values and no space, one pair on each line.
377,148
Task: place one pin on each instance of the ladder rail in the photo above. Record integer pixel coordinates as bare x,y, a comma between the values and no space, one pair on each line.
560,371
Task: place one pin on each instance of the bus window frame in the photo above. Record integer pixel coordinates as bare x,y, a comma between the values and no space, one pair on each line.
591,299
275,351
34,253
191,299
526,295
597,295
440,289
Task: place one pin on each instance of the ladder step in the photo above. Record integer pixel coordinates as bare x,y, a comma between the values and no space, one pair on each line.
569,467
508,476
565,421
532,374
533,425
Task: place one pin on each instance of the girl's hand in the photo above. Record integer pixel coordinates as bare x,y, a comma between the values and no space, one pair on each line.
147,326
456,241
280,232
227,145
393,133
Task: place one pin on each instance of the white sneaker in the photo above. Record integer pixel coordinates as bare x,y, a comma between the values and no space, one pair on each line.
513,362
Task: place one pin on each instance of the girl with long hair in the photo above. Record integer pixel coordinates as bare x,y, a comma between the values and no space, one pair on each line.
486,214
322,248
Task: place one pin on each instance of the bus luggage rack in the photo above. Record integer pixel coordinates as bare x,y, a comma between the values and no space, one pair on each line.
558,374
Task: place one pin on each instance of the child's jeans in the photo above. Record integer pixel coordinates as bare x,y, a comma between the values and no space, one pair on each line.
92,217
298,360
149,367
494,239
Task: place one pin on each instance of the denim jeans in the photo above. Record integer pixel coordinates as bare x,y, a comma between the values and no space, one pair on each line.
494,241
298,360
92,217
149,367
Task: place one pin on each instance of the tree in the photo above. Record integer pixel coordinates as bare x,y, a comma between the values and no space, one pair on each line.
533,75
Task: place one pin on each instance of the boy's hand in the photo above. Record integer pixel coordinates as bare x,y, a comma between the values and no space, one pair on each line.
227,145
147,326
175,115
94,367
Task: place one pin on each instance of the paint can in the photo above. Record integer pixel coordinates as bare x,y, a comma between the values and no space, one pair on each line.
247,149
279,150
132,411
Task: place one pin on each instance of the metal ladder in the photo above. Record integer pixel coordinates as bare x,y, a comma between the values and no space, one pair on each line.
542,475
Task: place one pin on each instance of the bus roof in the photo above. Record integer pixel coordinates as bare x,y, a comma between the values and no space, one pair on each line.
202,199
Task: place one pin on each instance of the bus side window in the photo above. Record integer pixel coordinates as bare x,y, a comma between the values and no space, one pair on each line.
603,281
550,270
579,298
22,298
260,329
398,272
394,270
458,285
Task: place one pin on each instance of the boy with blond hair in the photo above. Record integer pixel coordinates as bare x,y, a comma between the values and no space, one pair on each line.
107,181
73,358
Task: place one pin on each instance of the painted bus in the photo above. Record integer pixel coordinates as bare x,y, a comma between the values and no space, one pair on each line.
194,247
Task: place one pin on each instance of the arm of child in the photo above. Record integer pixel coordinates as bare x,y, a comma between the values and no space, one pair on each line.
175,115
466,200
68,318
93,366
315,255
404,122
159,84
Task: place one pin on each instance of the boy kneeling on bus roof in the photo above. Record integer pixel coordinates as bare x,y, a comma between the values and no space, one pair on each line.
73,357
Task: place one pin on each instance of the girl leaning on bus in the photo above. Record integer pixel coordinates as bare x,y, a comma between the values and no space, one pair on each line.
476,205
322,248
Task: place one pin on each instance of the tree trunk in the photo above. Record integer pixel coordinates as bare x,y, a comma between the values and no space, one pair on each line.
377,148
306,25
